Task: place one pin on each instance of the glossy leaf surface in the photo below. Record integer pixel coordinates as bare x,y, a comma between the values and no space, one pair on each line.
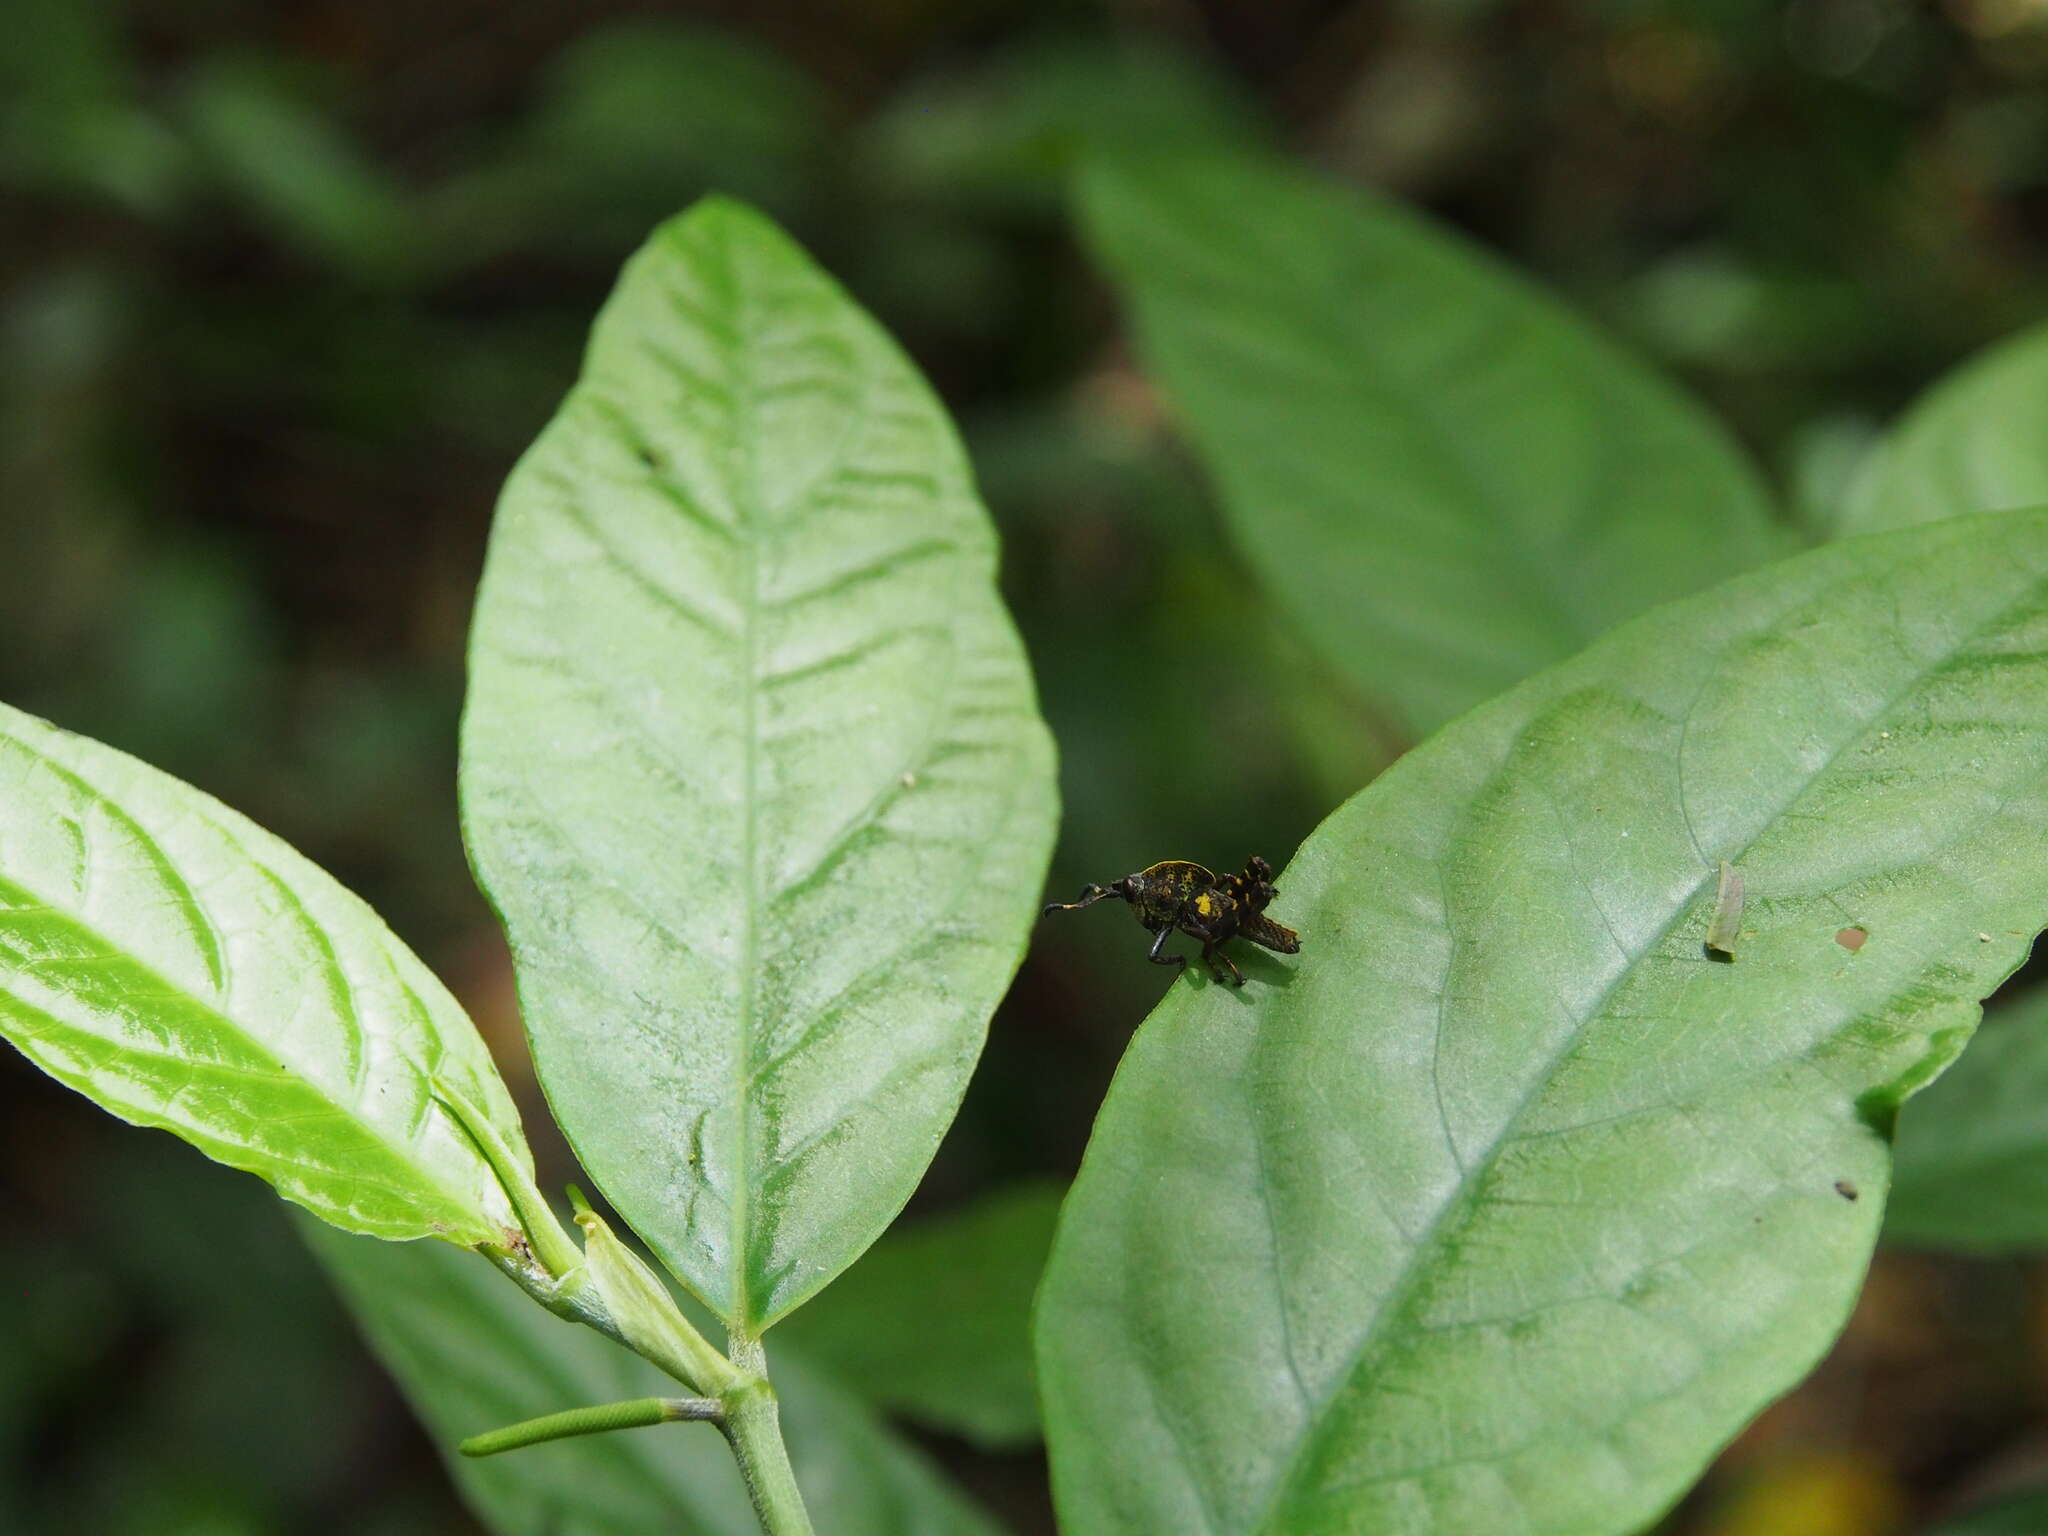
1973,1151
1501,1206
751,764
184,969
472,1353
1447,480
934,1322
1976,442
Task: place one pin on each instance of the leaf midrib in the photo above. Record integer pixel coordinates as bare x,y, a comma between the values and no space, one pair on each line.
760,526
1401,1294
746,410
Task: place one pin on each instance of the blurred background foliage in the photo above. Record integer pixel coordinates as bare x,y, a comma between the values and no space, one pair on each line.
285,288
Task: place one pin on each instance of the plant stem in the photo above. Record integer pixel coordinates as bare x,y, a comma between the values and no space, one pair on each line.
644,1311
592,1421
551,1245
753,1427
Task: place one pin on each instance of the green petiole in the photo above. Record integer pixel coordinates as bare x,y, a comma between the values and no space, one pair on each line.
634,1414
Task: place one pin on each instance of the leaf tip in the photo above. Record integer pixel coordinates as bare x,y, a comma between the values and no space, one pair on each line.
720,217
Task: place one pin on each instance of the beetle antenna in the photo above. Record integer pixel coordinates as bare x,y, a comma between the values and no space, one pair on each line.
1089,896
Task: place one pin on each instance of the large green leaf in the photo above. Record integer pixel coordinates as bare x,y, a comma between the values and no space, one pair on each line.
1973,1152
1976,442
472,1353
184,969
1504,1205
1445,479
934,1322
751,764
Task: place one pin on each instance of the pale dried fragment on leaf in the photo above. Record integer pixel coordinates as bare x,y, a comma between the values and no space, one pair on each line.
1726,926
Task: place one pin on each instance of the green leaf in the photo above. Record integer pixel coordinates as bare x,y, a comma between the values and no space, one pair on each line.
1446,480
2023,1515
184,969
934,1323
1503,1205
78,119
1973,1151
751,764
1976,442
300,173
472,1353
1005,132
640,102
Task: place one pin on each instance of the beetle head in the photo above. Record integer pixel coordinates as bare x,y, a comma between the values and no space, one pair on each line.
1155,894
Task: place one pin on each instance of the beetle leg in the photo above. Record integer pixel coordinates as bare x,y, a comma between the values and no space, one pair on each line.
1219,962
1258,883
1214,935
1157,956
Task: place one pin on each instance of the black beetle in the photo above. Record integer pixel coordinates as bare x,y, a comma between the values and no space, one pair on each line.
1176,896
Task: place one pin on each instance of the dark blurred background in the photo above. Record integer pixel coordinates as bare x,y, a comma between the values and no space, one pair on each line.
285,288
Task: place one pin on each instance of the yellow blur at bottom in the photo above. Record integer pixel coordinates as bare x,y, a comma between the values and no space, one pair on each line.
1811,1496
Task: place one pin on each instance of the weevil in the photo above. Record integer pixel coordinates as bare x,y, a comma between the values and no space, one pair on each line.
1178,897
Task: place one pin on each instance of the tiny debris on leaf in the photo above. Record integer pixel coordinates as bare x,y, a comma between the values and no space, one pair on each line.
1852,939
1726,926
